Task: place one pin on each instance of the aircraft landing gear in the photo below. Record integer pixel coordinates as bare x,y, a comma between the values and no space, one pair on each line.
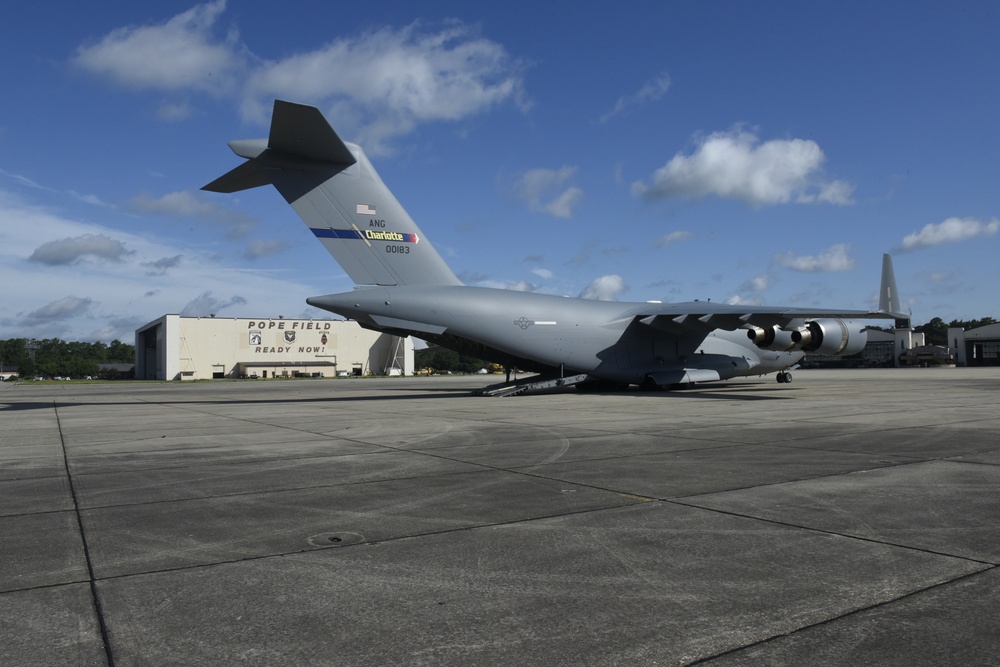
783,377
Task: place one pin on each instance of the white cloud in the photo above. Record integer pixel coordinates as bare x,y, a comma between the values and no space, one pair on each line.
605,288
156,276
187,204
562,206
759,283
650,91
172,112
206,304
180,54
834,192
672,237
119,328
62,309
951,230
159,267
583,255
834,258
740,300
72,250
945,282
473,278
265,248
540,188
25,181
749,293
389,80
93,200
736,165
543,273
379,84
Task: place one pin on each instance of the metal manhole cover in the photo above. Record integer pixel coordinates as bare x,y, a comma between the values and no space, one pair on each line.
335,539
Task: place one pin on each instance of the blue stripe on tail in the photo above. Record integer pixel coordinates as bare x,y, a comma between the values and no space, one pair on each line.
335,233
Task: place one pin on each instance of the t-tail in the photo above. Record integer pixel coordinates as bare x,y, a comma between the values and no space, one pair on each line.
339,195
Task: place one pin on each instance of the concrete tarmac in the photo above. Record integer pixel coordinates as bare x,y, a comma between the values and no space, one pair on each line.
851,517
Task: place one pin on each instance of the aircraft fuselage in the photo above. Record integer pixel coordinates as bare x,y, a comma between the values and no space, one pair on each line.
600,338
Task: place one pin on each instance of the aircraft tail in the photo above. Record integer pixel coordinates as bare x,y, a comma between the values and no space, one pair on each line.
888,295
338,194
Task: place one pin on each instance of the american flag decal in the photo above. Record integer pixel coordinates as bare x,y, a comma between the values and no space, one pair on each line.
365,209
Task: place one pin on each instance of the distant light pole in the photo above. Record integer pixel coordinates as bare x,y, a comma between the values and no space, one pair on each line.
32,346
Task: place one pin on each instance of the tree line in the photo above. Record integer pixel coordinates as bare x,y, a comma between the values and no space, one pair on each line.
53,357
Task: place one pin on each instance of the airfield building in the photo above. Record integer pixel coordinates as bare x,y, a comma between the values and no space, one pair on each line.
976,347
173,347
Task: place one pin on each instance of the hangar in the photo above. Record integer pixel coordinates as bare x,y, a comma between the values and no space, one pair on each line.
976,347
173,347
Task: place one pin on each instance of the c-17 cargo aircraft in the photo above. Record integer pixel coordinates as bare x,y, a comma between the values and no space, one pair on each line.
403,287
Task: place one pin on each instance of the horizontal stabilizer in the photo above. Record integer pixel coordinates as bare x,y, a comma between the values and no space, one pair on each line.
243,177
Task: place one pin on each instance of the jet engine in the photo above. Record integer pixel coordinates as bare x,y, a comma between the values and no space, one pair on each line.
825,336
773,338
831,336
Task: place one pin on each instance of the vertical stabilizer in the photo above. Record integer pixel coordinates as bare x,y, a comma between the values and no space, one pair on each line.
341,198
888,296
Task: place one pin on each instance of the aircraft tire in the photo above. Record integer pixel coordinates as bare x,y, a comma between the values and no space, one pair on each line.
649,385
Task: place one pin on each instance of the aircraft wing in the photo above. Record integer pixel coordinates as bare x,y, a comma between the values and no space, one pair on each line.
706,316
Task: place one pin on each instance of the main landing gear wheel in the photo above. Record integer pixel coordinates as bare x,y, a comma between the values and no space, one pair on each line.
783,377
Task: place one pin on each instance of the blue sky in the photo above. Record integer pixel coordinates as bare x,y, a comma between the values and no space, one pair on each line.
747,152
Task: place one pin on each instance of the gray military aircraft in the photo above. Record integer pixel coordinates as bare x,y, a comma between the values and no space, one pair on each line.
403,287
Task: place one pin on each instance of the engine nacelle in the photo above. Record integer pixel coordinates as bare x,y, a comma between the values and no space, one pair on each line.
831,336
771,338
